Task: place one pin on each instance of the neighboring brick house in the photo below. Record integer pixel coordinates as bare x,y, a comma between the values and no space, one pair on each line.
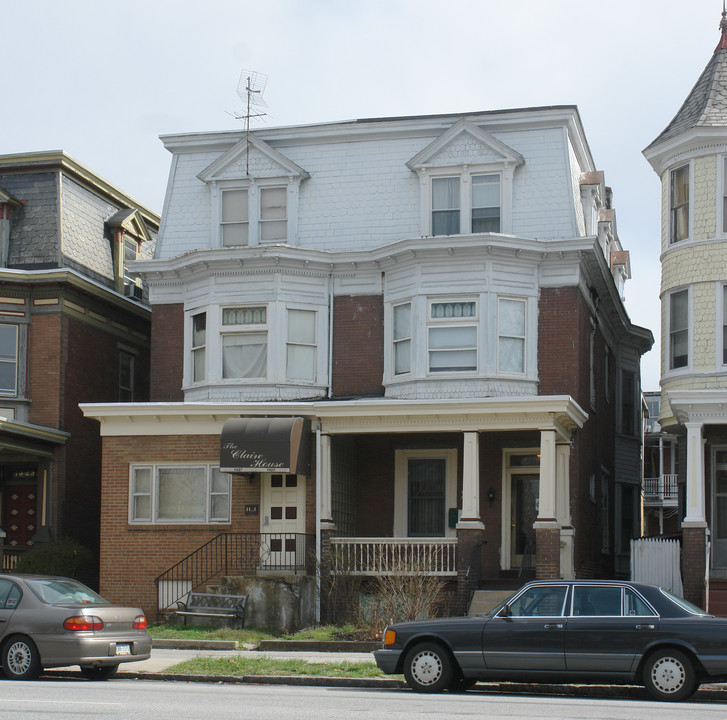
73,327
690,157
380,338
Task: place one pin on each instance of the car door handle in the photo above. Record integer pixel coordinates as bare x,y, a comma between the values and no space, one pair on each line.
648,626
553,626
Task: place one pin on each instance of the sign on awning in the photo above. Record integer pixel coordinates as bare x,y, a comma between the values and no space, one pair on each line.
265,445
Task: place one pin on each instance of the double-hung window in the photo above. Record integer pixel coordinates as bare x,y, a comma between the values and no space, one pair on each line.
679,204
8,360
244,342
179,494
273,221
452,336
511,335
445,206
301,347
402,338
724,324
485,203
199,342
235,218
679,329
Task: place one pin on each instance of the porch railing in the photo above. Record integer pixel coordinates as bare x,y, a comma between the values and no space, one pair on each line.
10,557
389,556
233,554
662,489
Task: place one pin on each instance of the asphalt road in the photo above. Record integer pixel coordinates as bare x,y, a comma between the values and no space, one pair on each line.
48,699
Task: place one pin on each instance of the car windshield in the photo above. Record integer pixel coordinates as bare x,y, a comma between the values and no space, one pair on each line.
682,603
64,591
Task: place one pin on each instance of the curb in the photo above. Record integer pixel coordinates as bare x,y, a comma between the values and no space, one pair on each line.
322,646
178,644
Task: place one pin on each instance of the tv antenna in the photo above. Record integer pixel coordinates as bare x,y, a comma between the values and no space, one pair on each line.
250,88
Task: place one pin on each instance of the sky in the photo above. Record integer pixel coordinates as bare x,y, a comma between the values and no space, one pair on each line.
103,80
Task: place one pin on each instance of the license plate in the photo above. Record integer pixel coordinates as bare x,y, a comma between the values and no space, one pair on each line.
123,649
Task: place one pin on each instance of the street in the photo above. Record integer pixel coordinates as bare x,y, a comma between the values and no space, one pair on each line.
153,700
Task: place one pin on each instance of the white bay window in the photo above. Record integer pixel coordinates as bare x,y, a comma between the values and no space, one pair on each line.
452,336
244,342
511,335
301,346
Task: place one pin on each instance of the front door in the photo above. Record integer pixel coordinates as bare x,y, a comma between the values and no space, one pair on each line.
282,545
523,513
719,508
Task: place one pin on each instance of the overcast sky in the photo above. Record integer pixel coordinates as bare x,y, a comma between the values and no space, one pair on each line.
102,80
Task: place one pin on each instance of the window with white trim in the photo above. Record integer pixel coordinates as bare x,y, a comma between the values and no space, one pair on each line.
486,203
199,343
301,348
678,329
235,218
8,360
273,219
679,204
452,336
177,494
724,324
244,342
511,315
402,338
445,206
724,195
467,203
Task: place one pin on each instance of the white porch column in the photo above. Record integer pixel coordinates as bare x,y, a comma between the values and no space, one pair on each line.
696,515
471,483
324,499
563,510
547,497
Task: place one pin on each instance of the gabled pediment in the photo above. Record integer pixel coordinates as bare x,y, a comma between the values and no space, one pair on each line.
258,161
465,144
132,222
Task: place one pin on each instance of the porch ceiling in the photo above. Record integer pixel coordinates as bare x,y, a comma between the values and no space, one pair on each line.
558,412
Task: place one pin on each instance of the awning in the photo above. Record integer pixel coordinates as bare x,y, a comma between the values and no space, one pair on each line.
265,445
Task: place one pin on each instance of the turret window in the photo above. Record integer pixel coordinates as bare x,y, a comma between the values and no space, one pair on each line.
679,204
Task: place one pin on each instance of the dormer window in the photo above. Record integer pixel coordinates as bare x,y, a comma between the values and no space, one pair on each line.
273,222
485,203
445,206
235,218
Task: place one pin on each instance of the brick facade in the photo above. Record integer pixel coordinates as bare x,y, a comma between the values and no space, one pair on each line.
167,331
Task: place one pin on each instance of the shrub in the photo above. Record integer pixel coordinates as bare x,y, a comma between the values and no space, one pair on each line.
59,557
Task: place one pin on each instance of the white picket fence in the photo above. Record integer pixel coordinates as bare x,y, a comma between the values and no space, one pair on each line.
657,562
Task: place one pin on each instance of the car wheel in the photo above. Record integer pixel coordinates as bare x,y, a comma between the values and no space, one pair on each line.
99,673
21,660
428,668
669,675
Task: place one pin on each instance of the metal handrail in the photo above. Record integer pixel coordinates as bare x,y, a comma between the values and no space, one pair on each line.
232,554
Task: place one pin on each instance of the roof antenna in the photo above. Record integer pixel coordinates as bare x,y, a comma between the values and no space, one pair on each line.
250,89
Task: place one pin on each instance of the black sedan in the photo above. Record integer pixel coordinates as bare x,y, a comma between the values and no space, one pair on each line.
566,631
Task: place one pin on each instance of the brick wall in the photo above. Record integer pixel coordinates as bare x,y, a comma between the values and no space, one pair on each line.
358,345
167,353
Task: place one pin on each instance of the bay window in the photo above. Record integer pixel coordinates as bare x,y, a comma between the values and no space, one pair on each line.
301,347
402,338
452,336
511,335
244,342
179,494
199,341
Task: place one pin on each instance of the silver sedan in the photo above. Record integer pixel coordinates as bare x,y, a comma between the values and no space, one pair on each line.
50,622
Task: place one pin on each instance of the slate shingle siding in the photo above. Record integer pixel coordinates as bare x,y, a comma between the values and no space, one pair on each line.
35,228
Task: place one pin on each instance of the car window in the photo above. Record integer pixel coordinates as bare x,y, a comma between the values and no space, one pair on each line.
537,601
635,605
9,595
62,591
597,601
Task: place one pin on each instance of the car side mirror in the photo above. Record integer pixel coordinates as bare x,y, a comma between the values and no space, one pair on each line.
505,611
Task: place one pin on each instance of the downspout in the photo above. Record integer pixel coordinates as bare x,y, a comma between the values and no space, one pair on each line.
317,569
330,334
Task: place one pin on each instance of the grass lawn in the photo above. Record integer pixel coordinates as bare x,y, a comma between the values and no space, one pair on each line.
241,666
253,636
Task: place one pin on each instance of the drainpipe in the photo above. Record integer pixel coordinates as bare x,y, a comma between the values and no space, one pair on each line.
330,335
317,568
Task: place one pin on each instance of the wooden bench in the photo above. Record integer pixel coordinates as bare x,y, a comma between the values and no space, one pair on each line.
213,605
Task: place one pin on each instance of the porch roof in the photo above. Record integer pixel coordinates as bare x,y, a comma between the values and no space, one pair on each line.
371,415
